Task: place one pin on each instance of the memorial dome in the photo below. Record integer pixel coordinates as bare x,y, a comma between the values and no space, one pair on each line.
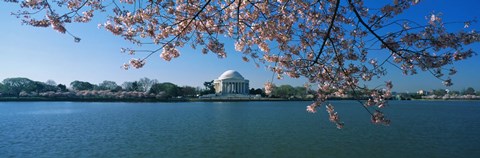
231,74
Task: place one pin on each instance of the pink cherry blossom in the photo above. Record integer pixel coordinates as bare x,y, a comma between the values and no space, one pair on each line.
268,88
137,63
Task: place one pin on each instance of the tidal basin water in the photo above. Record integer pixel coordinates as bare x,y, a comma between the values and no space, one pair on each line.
236,129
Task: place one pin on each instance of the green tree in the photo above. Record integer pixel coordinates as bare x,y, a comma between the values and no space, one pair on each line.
127,86
209,86
168,89
44,87
254,91
108,85
301,92
13,86
2,89
260,91
81,85
145,83
51,82
469,91
132,86
251,91
188,91
284,91
62,87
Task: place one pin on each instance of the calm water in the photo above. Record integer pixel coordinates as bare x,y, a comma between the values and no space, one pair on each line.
236,129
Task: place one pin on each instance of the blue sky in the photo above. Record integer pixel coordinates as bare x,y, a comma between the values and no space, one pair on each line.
42,54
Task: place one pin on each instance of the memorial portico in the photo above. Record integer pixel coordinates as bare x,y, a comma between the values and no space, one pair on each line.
231,82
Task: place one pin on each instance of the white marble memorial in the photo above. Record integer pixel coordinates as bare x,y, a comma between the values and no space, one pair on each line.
231,82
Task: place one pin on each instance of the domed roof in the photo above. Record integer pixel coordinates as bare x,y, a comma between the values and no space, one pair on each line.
231,74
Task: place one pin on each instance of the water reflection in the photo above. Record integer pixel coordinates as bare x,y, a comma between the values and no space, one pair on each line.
50,112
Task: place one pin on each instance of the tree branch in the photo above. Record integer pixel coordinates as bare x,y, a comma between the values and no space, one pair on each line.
328,32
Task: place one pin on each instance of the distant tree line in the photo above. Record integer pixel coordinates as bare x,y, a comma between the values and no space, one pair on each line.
143,88
290,92
442,92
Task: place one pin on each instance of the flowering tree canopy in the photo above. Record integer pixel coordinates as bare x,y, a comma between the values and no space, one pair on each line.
329,42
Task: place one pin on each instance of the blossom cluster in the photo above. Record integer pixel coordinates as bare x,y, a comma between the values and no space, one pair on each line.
333,116
379,118
268,88
136,63
169,52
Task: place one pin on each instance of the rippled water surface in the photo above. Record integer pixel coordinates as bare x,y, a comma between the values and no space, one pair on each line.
236,129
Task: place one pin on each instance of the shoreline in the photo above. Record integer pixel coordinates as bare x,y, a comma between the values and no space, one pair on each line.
153,100
34,99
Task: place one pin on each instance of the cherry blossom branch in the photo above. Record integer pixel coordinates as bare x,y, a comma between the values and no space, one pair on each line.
348,78
328,30
178,35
